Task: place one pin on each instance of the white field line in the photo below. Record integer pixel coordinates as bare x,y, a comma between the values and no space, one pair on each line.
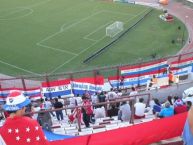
87,36
26,7
76,56
55,49
90,46
14,18
89,39
14,66
62,29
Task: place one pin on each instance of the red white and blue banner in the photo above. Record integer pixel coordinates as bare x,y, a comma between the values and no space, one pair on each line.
136,79
87,85
143,68
182,71
182,67
183,63
33,93
57,88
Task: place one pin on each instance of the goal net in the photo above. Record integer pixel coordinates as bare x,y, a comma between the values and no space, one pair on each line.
114,29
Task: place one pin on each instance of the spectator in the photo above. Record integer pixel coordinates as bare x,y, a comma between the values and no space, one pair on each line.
179,107
19,124
153,83
171,77
79,100
133,91
175,99
170,100
101,97
113,111
48,106
166,111
42,103
124,113
73,102
111,95
119,94
94,98
59,113
44,119
156,106
99,112
60,99
87,111
139,109
36,108
187,134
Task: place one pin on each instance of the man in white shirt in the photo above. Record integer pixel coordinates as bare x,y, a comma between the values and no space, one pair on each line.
111,95
99,112
139,109
133,92
48,106
94,99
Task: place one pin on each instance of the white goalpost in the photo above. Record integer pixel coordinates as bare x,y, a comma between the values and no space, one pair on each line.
114,29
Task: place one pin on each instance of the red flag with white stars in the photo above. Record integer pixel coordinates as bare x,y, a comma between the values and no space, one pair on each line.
22,131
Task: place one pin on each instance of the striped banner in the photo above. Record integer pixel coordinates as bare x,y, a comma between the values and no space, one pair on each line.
87,84
144,68
57,88
33,93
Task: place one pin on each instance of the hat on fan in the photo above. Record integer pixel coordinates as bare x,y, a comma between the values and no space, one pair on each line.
178,102
16,101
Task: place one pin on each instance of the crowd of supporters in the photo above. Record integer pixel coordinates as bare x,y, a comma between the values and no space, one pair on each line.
90,110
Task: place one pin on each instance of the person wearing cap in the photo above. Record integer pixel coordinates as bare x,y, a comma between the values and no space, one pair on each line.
179,107
19,129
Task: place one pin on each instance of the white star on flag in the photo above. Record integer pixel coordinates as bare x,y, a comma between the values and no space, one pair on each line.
17,138
27,129
28,139
36,127
9,130
37,138
17,130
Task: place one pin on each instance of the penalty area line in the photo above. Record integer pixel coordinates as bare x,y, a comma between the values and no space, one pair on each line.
14,66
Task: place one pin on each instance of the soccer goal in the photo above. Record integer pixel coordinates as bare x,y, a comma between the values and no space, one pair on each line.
114,29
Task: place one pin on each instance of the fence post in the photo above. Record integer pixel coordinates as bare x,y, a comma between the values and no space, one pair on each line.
47,81
71,79
132,110
23,83
118,78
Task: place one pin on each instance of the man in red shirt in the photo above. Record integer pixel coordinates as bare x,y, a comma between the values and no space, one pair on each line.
179,107
19,129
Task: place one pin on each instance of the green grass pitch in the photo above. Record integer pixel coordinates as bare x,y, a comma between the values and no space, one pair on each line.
52,36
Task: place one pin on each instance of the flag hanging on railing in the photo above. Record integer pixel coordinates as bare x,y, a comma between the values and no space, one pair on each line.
87,84
33,93
182,67
182,63
135,79
57,88
144,68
